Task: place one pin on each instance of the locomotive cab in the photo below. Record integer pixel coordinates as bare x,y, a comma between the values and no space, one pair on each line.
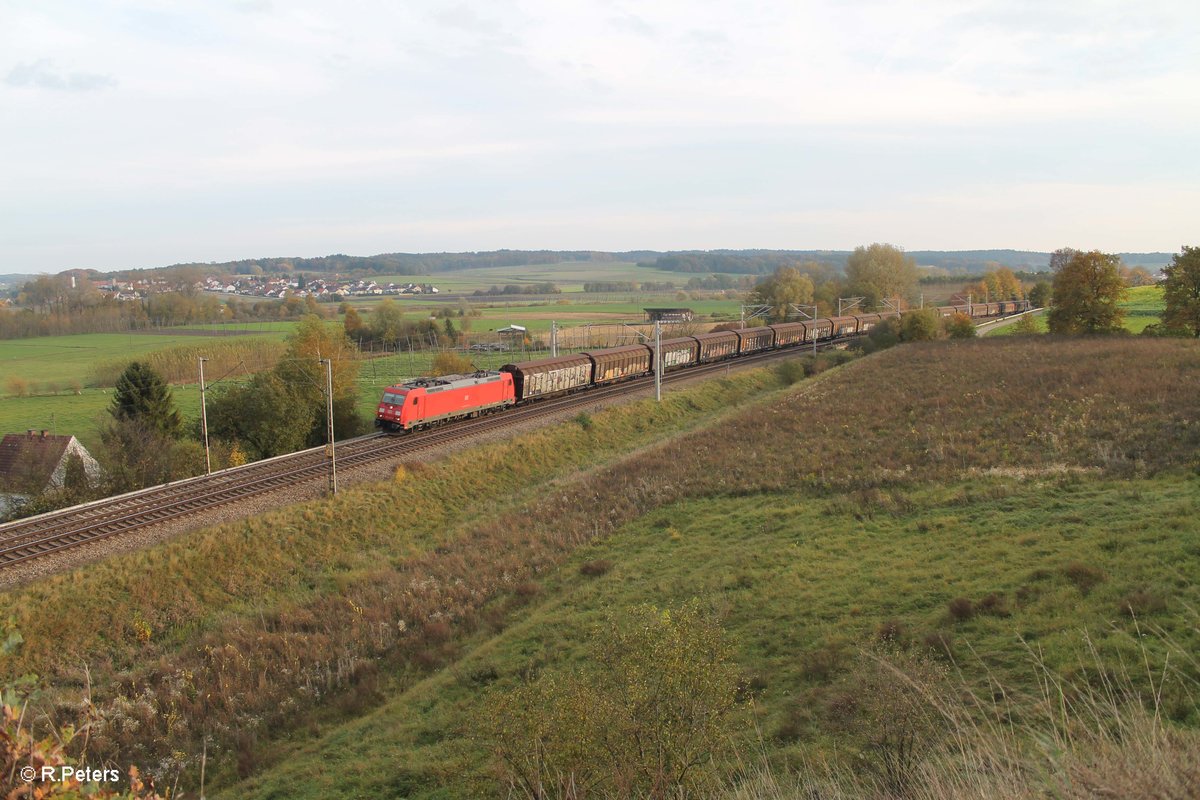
390,413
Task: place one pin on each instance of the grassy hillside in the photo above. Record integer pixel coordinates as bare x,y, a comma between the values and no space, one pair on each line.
997,491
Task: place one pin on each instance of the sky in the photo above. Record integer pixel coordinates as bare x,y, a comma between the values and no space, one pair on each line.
141,134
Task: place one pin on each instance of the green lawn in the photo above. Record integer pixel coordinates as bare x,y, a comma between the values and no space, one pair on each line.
79,415
48,363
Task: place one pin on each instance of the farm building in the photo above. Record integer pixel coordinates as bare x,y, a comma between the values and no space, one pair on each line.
35,461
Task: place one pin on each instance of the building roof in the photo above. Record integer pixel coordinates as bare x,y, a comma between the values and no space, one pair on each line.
29,459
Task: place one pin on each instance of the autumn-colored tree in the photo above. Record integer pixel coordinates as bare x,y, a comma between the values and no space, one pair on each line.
387,322
879,272
996,284
301,369
448,363
1181,291
919,325
960,326
787,287
353,323
1136,276
1087,292
1026,325
284,409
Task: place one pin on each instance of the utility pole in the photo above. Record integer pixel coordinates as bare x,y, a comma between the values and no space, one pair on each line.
204,419
658,361
329,431
553,339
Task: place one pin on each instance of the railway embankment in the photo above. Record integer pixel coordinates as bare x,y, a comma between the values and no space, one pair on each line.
948,499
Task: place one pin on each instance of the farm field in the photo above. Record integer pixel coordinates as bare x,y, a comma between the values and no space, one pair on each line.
850,521
59,361
81,415
568,276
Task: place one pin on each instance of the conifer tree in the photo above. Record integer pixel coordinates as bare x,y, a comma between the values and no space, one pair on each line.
143,396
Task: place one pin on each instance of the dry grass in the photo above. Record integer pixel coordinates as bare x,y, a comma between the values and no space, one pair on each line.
1098,737
179,364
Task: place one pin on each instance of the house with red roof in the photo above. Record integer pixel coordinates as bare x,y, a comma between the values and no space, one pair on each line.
35,461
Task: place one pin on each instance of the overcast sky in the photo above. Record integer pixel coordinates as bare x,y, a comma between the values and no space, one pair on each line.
139,134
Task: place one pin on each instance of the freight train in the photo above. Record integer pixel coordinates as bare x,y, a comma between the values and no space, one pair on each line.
425,402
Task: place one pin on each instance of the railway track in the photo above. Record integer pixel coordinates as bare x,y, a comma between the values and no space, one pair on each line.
58,531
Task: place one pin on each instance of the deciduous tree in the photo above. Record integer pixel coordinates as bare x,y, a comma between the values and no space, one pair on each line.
1040,294
1181,291
787,287
1087,292
879,272
960,326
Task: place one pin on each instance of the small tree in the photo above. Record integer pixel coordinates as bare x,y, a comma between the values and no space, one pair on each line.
780,291
142,396
960,326
920,325
1181,292
1026,326
880,271
1040,294
353,323
1087,292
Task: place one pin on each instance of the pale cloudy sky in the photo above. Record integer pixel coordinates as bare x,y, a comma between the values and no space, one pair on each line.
139,134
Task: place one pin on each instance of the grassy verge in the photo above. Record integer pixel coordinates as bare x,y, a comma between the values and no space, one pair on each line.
800,584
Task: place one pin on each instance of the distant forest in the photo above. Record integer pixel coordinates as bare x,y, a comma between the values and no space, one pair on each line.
735,262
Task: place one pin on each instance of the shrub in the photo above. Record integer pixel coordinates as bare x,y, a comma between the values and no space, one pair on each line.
939,643
595,568
892,631
790,371
919,326
450,364
1084,576
994,605
961,609
960,326
527,589
1142,603
16,386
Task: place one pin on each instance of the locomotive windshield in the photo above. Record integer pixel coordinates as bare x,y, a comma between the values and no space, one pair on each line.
393,398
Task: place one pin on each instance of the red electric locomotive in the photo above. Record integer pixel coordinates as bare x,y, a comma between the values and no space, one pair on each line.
426,401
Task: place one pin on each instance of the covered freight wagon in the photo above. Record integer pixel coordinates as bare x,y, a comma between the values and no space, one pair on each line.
868,321
714,346
615,363
844,326
425,401
549,376
788,333
682,352
817,329
754,339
